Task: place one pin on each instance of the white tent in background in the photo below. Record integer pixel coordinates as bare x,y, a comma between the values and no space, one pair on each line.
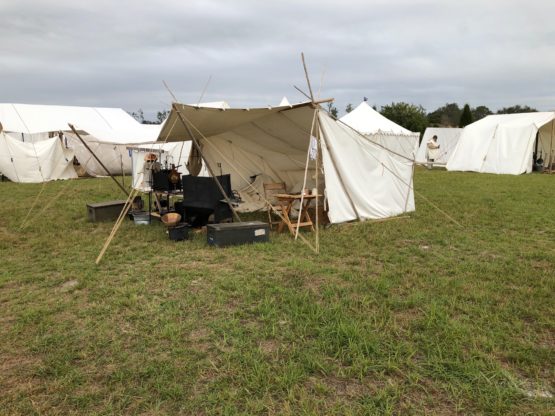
30,162
361,180
505,143
447,138
176,153
382,130
108,131
284,101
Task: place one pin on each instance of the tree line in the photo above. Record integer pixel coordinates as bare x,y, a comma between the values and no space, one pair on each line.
415,118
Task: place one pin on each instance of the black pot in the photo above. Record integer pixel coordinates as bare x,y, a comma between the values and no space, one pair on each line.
179,232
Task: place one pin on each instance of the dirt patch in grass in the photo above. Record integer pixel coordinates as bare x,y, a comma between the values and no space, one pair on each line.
269,346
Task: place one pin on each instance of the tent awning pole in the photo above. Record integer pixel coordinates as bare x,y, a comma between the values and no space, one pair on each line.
551,146
97,159
197,146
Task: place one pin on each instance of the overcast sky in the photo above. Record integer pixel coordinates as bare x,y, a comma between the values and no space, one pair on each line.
117,53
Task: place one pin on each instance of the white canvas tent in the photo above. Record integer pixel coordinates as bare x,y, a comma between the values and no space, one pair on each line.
505,143
108,131
29,162
361,180
381,130
447,138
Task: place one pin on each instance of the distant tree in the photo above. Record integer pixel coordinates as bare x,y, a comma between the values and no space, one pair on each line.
138,115
162,115
332,109
516,109
466,116
349,108
409,116
480,112
447,116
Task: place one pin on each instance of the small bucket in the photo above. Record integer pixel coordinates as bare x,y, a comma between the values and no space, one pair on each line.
141,217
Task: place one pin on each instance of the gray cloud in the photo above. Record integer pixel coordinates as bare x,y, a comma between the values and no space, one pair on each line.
429,52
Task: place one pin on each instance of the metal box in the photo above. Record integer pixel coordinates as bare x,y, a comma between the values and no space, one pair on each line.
105,211
230,234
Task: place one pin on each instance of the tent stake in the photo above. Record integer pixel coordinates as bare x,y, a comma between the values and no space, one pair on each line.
98,160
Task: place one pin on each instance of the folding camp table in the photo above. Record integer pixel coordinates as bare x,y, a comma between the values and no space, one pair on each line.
290,199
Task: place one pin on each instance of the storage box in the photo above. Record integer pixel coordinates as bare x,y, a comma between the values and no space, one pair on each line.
222,235
179,232
105,211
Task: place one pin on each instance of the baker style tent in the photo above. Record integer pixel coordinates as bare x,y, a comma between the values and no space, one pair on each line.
505,143
107,131
361,180
447,138
382,130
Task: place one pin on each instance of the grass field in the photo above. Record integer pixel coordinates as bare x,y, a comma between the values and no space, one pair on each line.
409,316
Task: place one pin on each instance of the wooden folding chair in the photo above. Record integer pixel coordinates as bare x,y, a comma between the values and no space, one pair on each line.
270,191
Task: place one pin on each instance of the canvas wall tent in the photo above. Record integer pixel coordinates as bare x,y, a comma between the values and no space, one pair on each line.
382,130
505,143
361,179
108,131
30,162
447,138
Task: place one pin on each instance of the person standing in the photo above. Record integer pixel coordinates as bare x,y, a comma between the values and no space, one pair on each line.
432,151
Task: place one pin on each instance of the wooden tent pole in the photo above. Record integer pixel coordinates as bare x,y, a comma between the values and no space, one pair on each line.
551,146
307,78
98,160
197,146
305,174
318,150
117,224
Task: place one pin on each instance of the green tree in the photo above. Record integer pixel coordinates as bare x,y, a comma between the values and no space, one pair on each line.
349,108
409,116
447,116
138,115
480,112
162,115
332,109
516,109
466,116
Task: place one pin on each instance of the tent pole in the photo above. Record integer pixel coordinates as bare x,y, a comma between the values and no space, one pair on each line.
307,79
197,146
117,224
411,186
98,160
305,174
317,188
332,157
551,146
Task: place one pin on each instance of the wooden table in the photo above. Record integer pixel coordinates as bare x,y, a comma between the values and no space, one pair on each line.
290,199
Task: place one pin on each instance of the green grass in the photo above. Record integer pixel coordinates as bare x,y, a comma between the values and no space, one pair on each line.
409,316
